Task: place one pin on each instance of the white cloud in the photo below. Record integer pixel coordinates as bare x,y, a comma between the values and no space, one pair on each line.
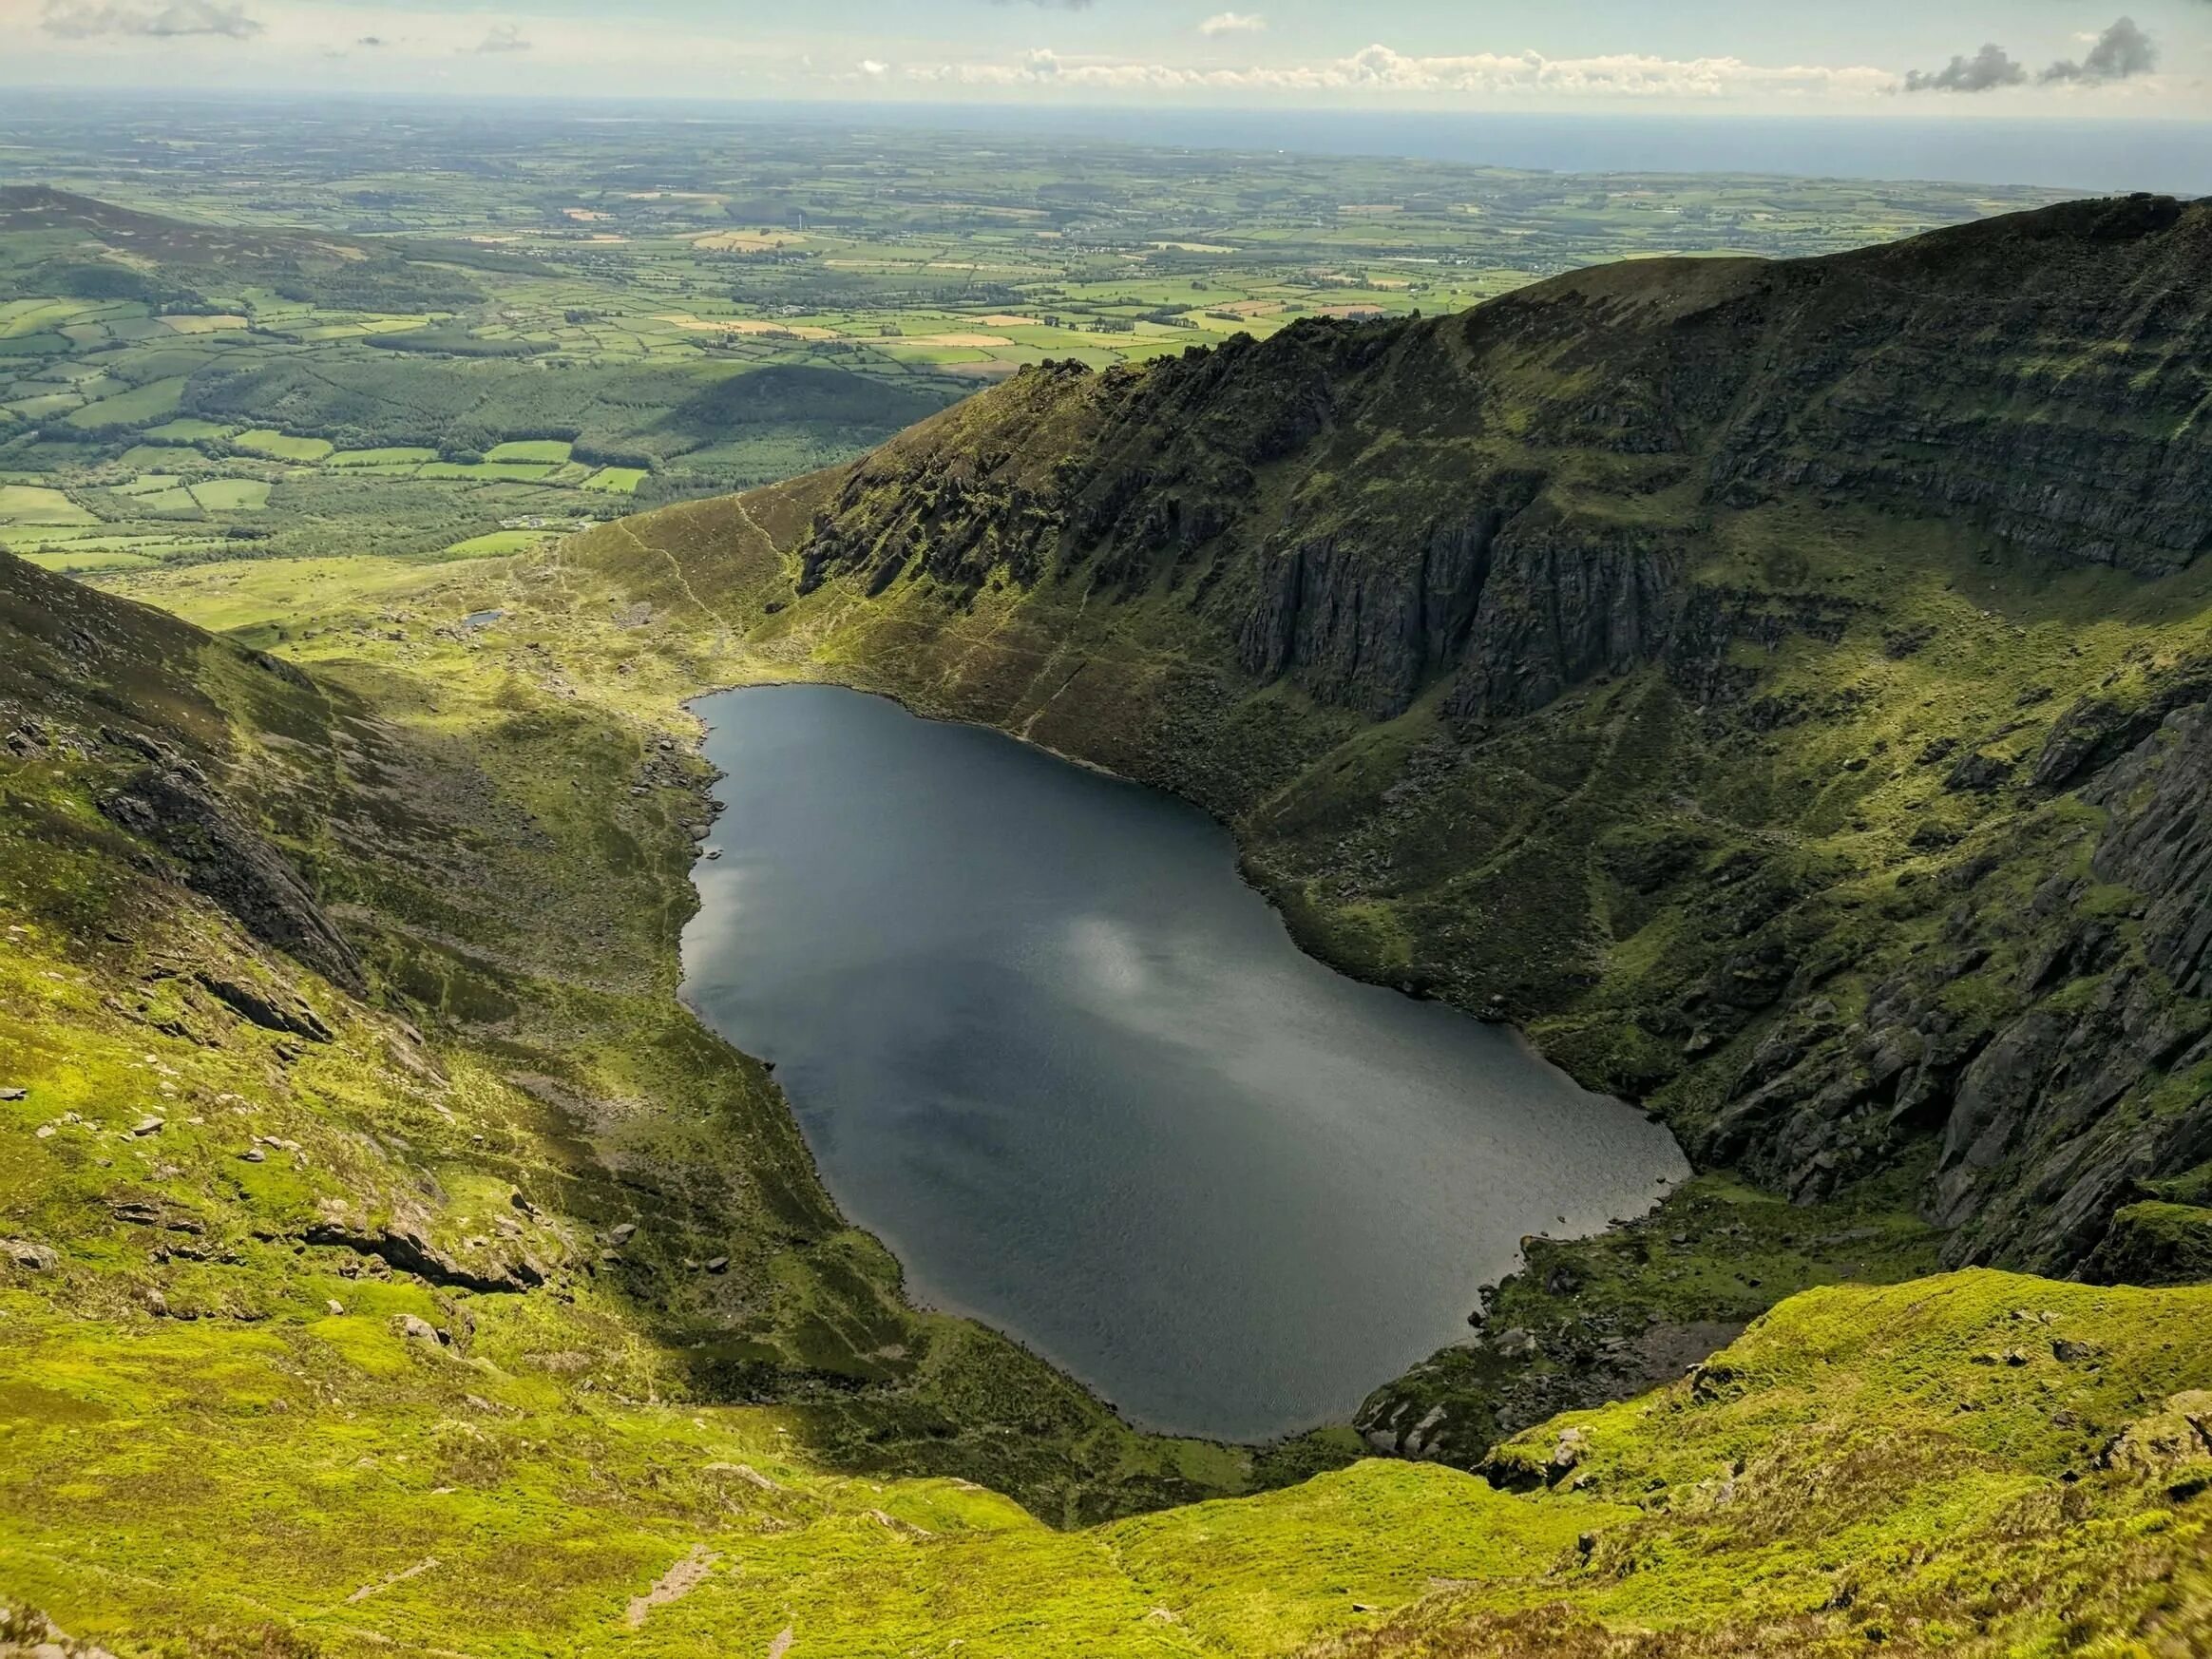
1232,22
502,37
287,43
1381,70
83,20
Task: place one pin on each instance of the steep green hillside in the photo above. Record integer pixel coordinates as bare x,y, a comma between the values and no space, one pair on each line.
361,989
1779,686
1978,1464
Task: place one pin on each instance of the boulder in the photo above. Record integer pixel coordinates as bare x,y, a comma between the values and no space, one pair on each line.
2161,1445
30,1257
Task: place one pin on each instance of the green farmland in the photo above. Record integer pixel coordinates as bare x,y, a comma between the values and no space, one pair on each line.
406,346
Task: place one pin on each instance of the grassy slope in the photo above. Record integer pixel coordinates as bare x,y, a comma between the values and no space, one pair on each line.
1937,1466
1866,1472
324,1476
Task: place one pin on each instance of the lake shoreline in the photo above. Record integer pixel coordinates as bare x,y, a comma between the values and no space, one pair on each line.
1507,1048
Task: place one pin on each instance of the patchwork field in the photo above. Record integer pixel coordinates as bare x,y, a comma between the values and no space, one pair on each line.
407,342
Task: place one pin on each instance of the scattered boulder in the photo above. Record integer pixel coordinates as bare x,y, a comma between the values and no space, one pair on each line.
416,1329
1979,773
31,1258
291,1016
14,1093
25,1634
2160,1445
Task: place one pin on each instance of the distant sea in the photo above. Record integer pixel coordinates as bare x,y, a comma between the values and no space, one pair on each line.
2173,156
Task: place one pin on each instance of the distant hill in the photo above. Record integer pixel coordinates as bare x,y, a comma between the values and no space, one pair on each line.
53,242
37,207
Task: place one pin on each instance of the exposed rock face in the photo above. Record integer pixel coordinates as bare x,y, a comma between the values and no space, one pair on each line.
2154,1244
1362,634
405,1245
1563,604
2162,846
2052,1118
2097,731
270,1011
2161,1445
1901,407
2036,1150
169,804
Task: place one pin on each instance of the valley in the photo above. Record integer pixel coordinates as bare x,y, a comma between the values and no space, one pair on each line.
1791,722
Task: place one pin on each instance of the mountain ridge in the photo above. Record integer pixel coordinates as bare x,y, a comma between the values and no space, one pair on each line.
1171,461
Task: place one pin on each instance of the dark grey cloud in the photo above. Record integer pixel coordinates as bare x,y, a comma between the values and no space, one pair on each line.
1988,69
502,37
2120,53
84,20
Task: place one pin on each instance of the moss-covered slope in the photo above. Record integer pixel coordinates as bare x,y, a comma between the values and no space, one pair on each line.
1978,1465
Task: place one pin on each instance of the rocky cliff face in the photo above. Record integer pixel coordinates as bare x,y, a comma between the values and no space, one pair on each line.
2055,1050
1514,500
92,679
170,805
2038,379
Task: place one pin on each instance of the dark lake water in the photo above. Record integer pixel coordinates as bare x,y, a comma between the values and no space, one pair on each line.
1049,1047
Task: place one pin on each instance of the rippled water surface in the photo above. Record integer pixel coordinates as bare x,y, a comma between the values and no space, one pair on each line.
1050,1048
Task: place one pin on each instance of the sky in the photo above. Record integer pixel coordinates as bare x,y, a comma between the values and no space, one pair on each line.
2019,59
